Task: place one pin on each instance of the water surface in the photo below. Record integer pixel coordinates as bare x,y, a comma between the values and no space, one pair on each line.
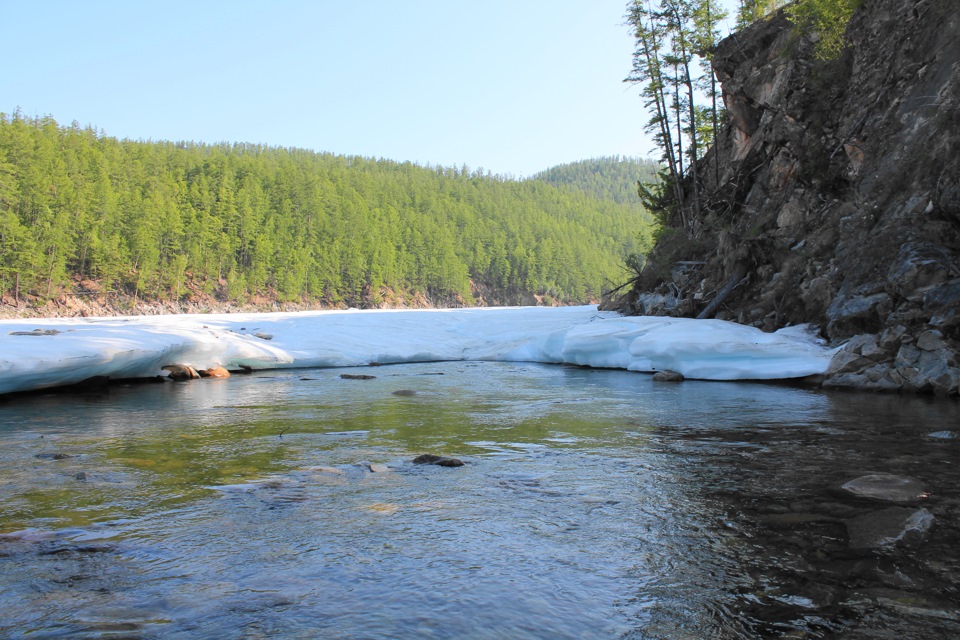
593,504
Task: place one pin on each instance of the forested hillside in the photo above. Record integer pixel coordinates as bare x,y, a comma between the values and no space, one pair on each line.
608,177
164,221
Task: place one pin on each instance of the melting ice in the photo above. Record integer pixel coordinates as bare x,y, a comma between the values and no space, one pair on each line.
40,353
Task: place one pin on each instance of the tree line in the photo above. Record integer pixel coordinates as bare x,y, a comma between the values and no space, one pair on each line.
607,177
157,220
672,64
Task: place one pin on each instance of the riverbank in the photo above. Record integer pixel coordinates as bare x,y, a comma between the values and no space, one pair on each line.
89,299
50,352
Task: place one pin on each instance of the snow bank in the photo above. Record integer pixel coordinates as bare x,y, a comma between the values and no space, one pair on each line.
44,353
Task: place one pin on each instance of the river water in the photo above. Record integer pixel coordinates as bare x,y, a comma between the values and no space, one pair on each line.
592,504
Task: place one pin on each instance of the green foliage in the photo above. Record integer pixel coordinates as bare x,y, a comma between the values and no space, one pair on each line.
749,11
673,39
615,178
606,178
160,220
828,18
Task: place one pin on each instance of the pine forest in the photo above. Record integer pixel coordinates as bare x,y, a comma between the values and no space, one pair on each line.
155,221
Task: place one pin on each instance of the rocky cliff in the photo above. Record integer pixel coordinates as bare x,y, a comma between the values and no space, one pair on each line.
832,196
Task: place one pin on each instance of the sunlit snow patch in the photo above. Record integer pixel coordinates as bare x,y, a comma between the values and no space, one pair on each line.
140,346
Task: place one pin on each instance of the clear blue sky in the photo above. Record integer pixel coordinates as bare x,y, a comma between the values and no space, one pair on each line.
512,86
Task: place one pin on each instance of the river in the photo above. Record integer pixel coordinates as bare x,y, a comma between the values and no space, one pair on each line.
592,504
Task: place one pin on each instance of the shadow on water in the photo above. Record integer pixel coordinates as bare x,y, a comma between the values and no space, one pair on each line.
593,504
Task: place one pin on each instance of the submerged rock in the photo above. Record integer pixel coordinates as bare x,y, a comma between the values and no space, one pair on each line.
36,332
53,456
440,461
357,376
888,527
330,470
405,392
383,508
885,486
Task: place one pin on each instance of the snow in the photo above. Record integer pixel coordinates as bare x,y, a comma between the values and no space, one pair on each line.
64,351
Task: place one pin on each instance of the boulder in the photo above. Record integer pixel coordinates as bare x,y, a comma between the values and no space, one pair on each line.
891,338
885,486
668,376
888,527
847,361
852,312
180,372
919,265
930,340
214,372
907,356
942,296
440,461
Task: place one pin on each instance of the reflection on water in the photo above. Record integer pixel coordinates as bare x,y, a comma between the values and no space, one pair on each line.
594,504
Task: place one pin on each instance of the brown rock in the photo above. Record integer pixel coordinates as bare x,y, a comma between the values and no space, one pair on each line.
180,372
668,376
214,372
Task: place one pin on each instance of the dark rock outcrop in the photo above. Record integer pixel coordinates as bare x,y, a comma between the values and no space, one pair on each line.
668,376
440,461
834,187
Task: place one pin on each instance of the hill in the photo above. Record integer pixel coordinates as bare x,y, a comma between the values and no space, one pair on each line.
607,178
185,223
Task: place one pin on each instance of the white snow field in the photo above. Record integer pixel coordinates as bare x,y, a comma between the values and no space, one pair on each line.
62,351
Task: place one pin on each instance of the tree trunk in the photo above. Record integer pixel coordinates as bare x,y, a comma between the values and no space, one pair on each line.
708,311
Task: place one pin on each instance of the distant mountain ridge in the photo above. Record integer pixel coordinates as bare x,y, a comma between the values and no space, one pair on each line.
607,177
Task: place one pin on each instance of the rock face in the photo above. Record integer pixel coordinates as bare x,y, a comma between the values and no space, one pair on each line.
832,196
